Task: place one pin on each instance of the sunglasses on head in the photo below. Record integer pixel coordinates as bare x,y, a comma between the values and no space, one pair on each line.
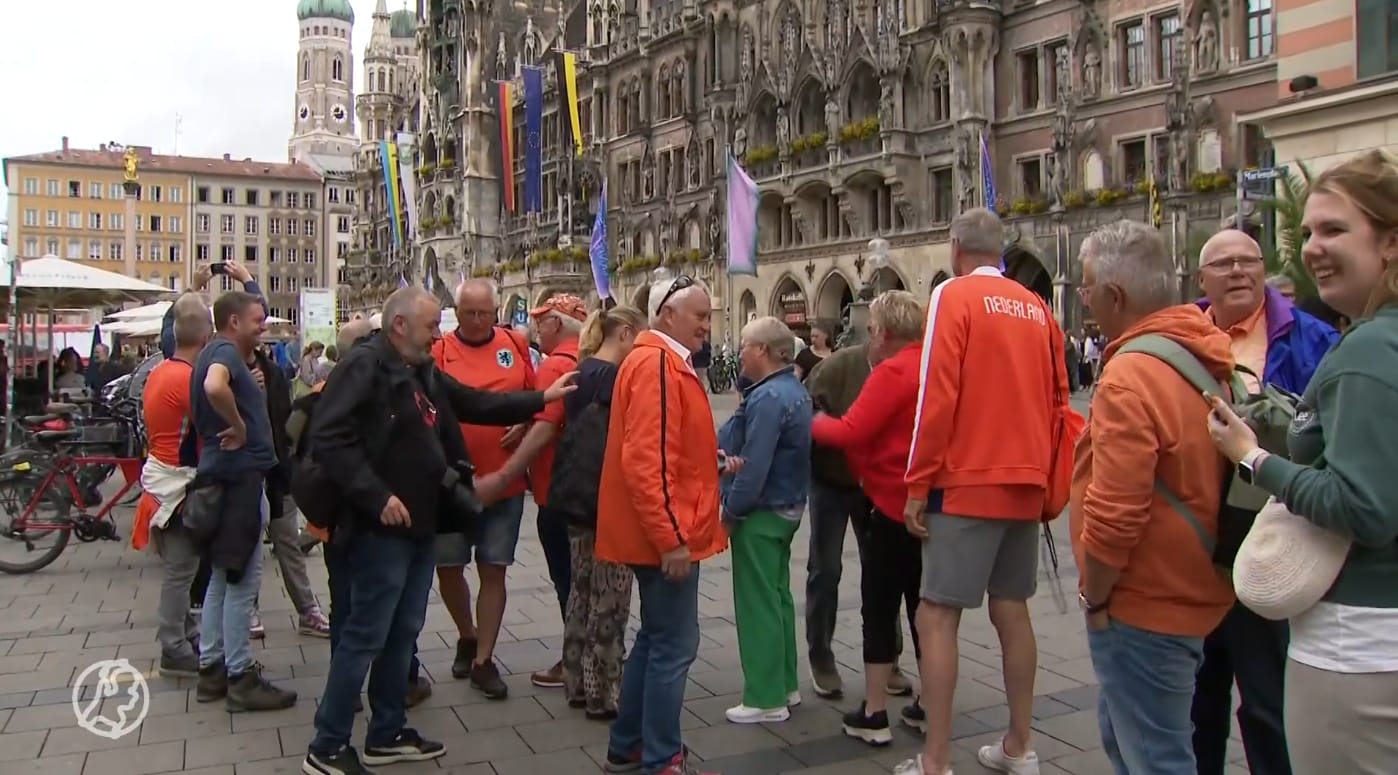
680,283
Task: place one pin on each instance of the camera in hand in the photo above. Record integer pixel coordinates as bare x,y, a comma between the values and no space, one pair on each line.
457,487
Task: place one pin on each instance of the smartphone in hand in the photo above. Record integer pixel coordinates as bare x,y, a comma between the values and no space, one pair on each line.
218,268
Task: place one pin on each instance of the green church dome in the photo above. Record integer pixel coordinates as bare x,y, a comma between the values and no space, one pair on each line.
325,9
404,24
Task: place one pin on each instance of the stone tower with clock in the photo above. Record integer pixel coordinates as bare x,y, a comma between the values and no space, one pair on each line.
323,114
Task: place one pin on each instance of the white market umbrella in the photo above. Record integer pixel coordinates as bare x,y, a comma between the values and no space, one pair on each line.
151,326
53,282
143,312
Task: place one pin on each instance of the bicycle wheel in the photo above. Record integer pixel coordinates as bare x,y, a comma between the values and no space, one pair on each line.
50,519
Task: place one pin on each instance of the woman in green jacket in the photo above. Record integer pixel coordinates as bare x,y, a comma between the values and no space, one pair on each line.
1341,705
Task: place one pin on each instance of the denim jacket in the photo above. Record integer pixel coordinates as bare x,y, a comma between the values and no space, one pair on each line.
771,431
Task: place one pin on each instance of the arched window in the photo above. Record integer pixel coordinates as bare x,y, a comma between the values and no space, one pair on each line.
305,67
380,80
337,69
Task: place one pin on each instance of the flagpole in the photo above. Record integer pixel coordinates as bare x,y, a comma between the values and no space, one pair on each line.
727,259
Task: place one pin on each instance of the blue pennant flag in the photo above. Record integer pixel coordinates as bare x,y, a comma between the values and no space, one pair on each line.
597,251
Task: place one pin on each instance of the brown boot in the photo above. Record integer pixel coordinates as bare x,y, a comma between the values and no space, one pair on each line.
251,692
213,683
418,691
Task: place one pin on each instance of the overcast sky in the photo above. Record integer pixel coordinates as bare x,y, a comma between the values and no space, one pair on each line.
100,71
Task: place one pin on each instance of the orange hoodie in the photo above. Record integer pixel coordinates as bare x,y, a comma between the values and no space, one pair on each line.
659,487
1149,423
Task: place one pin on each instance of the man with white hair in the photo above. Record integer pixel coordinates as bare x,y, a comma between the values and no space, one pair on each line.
978,475
658,511
559,322
484,356
1147,487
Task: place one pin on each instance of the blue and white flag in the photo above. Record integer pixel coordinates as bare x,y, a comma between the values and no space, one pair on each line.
597,250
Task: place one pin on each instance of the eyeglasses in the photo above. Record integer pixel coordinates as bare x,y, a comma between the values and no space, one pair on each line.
680,283
1227,264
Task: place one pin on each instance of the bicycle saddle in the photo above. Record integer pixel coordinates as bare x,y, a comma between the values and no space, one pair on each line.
60,408
51,436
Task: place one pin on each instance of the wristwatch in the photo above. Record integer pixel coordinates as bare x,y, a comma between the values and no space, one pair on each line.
1247,467
1089,608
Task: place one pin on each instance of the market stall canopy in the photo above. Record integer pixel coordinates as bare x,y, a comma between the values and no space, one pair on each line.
151,326
143,312
53,282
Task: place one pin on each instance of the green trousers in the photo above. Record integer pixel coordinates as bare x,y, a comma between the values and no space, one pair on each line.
766,612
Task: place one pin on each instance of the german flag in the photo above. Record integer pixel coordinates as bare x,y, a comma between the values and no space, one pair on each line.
566,67
1156,211
504,107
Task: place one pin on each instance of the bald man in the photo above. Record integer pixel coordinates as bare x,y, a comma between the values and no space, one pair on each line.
1280,345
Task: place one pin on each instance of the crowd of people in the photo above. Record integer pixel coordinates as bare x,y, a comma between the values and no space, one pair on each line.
945,442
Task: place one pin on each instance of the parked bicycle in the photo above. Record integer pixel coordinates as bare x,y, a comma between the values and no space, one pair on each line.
723,370
50,476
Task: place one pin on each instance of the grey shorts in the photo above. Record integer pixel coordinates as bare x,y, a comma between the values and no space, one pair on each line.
493,537
967,558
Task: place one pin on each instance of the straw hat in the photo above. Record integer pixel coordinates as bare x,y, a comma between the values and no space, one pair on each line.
1286,564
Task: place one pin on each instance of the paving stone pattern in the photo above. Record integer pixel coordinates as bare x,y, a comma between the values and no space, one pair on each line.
98,602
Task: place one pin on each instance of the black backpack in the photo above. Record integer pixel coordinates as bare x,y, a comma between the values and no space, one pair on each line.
577,465
316,495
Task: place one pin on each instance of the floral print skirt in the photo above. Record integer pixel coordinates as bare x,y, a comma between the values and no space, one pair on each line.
594,633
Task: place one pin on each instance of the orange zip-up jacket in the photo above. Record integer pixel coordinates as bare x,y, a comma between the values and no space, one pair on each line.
992,373
659,486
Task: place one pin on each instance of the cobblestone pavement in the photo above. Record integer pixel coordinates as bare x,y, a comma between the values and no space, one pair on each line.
98,602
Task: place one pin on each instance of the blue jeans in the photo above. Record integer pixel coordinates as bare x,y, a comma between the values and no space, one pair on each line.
653,681
227,617
389,580
1147,690
337,572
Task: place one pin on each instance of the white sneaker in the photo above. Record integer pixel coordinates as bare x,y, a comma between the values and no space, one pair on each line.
994,757
742,714
793,699
914,767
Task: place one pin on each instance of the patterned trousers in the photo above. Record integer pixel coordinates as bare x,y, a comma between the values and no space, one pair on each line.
594,631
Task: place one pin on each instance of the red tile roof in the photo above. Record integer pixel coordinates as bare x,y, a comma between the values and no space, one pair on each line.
152,162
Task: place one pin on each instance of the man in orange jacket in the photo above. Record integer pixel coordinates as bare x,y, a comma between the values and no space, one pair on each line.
658,512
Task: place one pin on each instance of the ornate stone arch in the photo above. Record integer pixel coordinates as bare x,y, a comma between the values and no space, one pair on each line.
831,292
785,282
860,75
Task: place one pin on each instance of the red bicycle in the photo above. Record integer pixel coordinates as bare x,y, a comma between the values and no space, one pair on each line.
40,489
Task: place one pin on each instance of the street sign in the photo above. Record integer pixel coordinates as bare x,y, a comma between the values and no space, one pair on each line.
1260,184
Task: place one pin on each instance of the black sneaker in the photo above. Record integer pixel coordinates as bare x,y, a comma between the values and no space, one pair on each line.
465,657
871,728
408,746
913,716
617,762
343,762
487,678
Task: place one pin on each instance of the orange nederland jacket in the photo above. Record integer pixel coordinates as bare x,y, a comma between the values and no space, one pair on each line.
992,371
1148,423
659,485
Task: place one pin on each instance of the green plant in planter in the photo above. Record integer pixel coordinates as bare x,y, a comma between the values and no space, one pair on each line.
1074,199
482,271
1142,187
859,130
447,164
1038,205
426,169
760,155
1021,206
577,252
1105,197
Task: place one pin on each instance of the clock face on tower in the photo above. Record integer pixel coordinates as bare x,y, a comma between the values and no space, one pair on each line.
338,112
304,113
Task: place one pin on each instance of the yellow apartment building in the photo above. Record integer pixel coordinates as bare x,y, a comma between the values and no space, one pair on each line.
71,203
1337,82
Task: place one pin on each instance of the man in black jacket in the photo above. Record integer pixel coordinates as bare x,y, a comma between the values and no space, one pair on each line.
386,430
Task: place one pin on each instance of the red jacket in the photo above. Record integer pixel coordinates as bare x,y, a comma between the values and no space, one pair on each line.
877,431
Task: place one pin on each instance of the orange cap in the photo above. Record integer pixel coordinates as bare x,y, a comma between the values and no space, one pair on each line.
563,303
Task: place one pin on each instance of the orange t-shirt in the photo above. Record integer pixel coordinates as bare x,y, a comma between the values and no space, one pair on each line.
562,360
500,365
165,408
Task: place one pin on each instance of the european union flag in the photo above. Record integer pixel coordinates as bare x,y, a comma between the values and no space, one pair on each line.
533,140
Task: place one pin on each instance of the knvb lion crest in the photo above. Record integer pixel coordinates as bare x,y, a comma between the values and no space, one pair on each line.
505,358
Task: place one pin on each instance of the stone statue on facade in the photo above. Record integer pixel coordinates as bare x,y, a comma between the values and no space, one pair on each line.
501,58
1091,71
531,42
783,129
715,229
968,164
1179,160
886,116
1063,70
832,114
1058,187
1206,44
647,174
740,142
745,56
691,162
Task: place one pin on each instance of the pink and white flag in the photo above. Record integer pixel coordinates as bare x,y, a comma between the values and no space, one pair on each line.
742,220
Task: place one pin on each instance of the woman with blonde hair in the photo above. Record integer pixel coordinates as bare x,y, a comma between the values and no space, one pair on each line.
1341,706
599,600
